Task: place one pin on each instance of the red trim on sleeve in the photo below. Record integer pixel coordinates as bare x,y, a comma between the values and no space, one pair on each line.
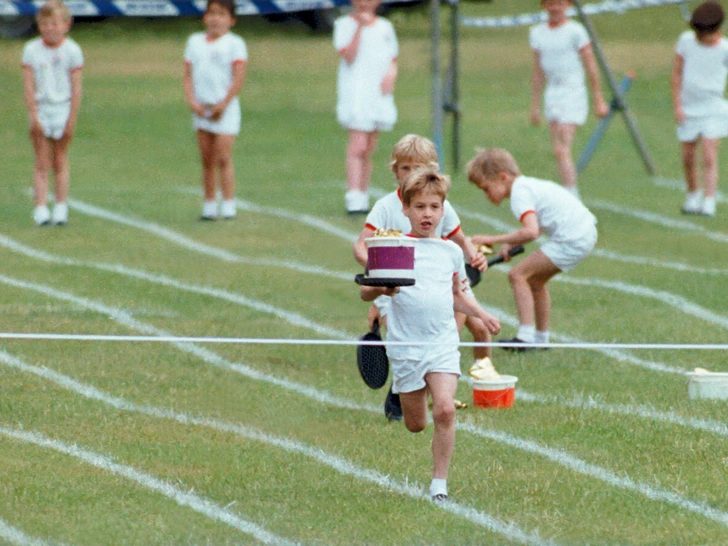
239,61
525,214
77,68
453,232
369,226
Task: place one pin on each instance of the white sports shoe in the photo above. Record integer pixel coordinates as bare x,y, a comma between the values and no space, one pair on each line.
693,203
227,209
209,210
41,216
708,208
357,202
60,214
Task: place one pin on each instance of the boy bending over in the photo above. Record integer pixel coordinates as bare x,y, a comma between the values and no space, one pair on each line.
423,313
541,206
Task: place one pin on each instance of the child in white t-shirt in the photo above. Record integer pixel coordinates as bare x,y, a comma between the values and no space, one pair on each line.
423,313
215,63
562,51
698,83
413,152
541,207
367,45
52,67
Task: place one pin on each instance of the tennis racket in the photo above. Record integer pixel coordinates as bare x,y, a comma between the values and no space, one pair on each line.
475,275
372,360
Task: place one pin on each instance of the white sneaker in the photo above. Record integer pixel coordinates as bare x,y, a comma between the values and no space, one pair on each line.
693,202
708,208
227,209
209,210
60,214
357,202
41,216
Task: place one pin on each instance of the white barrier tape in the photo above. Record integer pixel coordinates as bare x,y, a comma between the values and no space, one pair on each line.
282,341
528,19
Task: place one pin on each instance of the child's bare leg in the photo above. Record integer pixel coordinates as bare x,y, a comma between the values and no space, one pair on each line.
710,166
43,148
533,307
442,387
357,159
367,167
414,409
480,335
61,169
688,150
541,296
223,152
562,136
206,141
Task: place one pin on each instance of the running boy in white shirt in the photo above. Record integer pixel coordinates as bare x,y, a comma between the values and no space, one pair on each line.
698,83
52,67
424,313
562,51
367,45
409,154
215,62
541,206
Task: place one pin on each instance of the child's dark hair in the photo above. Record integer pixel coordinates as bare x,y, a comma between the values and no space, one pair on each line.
229,5
707,17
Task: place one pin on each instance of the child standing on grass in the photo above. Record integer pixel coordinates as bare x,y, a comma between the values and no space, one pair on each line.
541,206
414,152
698,84
424,313
367,45
562,52
52,67
215,62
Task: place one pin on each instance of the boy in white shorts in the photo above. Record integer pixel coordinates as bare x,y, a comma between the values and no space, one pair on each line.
215,63
52,67
699,77
423,313
562,51
409,154
540,206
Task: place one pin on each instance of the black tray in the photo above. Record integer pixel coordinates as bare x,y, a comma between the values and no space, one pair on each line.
384,281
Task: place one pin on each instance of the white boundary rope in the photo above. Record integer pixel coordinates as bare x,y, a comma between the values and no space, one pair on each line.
607,6
282,341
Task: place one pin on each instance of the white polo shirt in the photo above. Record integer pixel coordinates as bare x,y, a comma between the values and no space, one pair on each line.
705,71
212,64
387,214
52,68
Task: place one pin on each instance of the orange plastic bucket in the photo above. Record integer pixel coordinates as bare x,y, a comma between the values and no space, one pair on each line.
500,393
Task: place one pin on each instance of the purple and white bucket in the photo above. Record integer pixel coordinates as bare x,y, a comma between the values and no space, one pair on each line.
391,257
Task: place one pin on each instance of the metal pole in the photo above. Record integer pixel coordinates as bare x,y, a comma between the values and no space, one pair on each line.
454,105
437,114
618,97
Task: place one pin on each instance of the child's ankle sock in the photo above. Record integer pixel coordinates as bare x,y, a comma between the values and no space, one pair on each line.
227,208
541,337
573,190
526,333
209,209
693,201
438,487
708,207
60,213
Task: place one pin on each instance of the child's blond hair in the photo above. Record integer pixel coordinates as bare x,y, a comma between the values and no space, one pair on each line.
488,163
414,149
425,179
53,8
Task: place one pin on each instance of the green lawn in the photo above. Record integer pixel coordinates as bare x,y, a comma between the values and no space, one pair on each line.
108,442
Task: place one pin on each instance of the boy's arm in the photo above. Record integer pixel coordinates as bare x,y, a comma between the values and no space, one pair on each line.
189,90
537,79
76,92
350,51
239,68
360,247
529,232
390,78
464,304
590,65
29,93
472,256
676,82
370,293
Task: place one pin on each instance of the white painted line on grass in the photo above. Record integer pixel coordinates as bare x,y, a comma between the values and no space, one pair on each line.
677,266
16,536
202,248
289,316
508,529
651,217
184,498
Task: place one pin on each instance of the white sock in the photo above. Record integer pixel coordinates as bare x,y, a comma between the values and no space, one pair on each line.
526,332
209,209
573,190
541,337
227,208
709,206
438,487
693,200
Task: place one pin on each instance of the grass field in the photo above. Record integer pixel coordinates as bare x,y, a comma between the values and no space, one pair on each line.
181,443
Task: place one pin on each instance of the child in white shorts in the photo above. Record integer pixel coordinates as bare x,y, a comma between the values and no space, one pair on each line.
52,67
540,206
424,315
562,54
215,63
699,78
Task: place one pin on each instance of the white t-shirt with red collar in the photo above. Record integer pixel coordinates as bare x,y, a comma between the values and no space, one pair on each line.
559,213
212,64
387,214
52,68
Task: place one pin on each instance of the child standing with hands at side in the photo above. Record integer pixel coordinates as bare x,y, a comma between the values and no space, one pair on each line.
699,77
52,67
367,45
215,63
562,52
540,206
424,313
